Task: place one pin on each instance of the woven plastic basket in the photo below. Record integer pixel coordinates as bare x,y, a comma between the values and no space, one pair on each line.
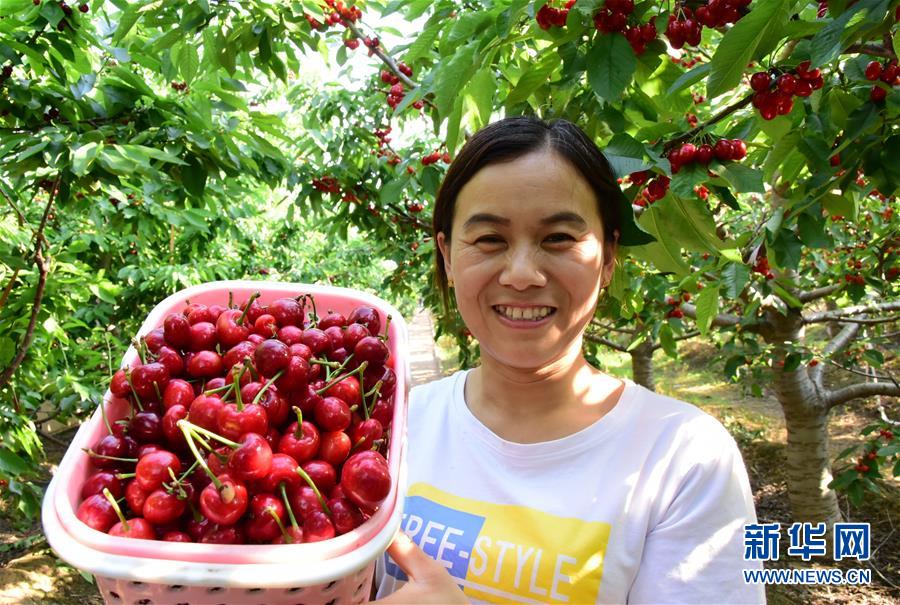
148,572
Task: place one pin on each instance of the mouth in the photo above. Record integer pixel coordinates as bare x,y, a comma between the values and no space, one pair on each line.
532,313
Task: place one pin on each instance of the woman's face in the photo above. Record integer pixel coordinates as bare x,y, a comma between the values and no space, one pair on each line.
527,259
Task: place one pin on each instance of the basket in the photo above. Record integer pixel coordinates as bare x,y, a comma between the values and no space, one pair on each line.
149,572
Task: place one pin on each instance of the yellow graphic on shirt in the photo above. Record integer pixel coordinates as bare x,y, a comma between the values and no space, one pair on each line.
503,553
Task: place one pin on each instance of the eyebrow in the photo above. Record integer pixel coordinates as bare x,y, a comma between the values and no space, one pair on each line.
493,219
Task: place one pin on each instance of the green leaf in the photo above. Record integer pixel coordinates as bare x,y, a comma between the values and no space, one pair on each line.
83,86
126,21
391,192
188,62
787,248
792,362
481,91
689,78
743,179
811,229
193,177
7,351
778,152
12,465
738,46
451,77
83,158
789,299
423,44
839,205
625,154
611,65
688,223
707,308
665,254
735,277
535,77
826,44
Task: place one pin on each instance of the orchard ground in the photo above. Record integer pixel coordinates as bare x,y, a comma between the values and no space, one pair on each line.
32,575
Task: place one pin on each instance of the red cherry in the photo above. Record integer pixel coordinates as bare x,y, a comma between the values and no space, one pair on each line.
271,357
97,482
97,513
252,460
335,447
322,474
332,414
302,446
153,469
345,515
760,81
704,154
877,94
177,330
260,524
366,479
137,528
224,506
787,84
317,527
722,150
162,507
367,316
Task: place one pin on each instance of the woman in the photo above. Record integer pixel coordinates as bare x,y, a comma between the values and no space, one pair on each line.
536,477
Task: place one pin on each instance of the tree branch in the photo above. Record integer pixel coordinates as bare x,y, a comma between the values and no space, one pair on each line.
603,326
386,58
43,269
840,314
860,389
608,343
866,374
843,338
876,50
818,293
690,134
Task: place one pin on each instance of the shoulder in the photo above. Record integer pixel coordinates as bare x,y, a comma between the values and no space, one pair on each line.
678,424
435,393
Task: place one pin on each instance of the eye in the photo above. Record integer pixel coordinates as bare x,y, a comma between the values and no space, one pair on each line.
558,238
489,239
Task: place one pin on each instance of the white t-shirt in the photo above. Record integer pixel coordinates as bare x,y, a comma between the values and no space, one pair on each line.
646,505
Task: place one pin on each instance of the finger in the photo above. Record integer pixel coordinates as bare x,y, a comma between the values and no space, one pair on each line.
409,557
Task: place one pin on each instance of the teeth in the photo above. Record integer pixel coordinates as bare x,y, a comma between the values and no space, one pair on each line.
530,313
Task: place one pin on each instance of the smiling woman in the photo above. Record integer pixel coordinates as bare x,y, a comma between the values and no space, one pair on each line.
536,477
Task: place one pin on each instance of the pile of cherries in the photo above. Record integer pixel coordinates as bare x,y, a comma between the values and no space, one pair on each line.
773,95
254,424
887,72
724,150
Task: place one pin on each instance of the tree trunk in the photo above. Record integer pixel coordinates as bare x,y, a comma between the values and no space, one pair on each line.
642,365
806,416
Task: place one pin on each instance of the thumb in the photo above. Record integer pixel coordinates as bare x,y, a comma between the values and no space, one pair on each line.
409,557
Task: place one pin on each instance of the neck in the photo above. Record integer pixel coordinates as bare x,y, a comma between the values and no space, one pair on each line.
542,403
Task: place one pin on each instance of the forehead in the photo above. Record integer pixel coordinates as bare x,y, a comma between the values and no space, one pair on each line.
527,190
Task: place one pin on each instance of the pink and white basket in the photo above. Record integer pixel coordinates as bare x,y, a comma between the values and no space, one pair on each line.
147,572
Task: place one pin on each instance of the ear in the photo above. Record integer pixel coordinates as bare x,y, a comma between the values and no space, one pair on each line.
609,259
444,247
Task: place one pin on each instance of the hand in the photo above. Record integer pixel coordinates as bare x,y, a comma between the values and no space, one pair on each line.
429,581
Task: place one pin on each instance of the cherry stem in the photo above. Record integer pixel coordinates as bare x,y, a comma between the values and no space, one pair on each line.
361,367
199,429
94,454
269,383
387,324
299,432
218,389
287,505
125,475
186,428
315,489
175,486
357,444
237,384
156,388
230,299
315,314
240,320
375,391
287,538
140,350
115,505
105,419
137,399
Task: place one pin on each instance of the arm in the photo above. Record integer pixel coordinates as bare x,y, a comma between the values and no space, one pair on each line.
694,554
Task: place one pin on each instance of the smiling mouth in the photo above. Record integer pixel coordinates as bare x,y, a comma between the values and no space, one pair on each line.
524,314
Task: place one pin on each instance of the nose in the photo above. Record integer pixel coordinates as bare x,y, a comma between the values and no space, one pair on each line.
522,268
